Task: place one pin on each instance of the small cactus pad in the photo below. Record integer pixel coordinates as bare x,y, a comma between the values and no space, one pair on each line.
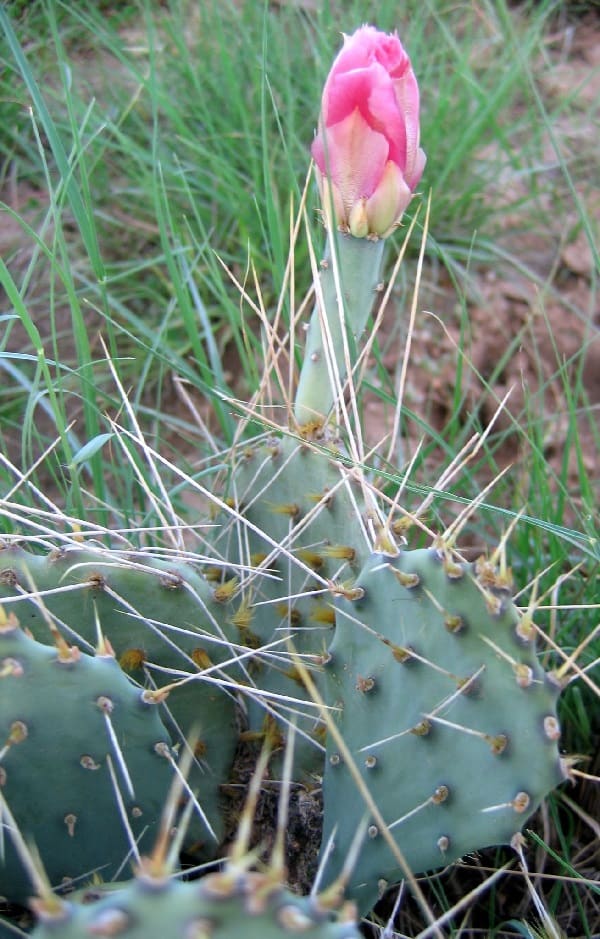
67,720
445,710
297,529
163,624
220,906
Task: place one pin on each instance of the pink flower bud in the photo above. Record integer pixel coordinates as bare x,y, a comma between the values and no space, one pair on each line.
367,146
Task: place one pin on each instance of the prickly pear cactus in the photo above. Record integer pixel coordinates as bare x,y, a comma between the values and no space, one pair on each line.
84,761
297,530
221,906
164,625
447,715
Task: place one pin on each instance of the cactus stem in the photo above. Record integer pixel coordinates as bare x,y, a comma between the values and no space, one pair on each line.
346,291
346,755
436,603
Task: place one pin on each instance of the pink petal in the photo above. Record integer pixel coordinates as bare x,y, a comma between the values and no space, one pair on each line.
357,51
348,90
385,116
392,56
368,45
406,91
414,178
353,156
367,145
372,92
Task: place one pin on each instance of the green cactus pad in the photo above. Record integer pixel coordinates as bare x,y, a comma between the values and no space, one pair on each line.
221,906
162,622
446,712
300,530
66,719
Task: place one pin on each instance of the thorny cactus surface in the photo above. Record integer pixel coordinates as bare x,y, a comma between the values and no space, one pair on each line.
425,666
226,905
300,531
445,711
235,901
163,623
85,761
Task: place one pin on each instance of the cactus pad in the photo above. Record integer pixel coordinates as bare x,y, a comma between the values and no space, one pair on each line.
446,712
297,529
221,906
163,624
82,760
